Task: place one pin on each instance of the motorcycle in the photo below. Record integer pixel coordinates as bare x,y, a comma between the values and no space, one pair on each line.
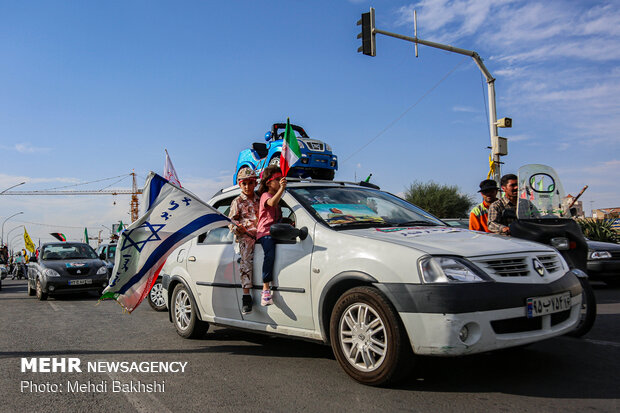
543,216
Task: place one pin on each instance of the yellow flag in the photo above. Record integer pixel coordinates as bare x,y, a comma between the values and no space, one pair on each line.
28,242
491,167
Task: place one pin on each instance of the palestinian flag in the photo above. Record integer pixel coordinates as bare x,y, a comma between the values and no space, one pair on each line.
290,149
58,236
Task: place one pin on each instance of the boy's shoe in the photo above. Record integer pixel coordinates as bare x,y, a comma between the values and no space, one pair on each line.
247,304
266,298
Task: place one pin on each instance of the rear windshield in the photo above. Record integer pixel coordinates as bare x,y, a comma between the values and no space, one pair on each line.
68,252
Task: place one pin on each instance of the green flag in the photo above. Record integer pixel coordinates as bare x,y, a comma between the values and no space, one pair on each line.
86,235
120,227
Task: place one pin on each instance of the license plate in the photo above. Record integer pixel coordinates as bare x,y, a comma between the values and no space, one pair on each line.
80,282
550,304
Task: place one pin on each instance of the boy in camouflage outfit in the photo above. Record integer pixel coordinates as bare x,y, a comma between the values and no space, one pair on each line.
244,215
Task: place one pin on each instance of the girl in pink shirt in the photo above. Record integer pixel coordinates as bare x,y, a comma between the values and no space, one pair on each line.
272,186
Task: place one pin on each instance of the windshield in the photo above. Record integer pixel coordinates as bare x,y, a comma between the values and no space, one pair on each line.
541,194
68,252
345,207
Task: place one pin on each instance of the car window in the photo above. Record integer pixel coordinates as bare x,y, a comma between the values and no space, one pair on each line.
220,235
111,251
68,252
348,207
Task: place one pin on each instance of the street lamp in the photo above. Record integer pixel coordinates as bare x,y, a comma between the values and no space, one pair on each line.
11,187
2,236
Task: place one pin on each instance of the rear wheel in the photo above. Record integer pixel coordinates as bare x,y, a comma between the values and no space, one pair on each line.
588,310
156,297
275,160
368,338
184,314
40,294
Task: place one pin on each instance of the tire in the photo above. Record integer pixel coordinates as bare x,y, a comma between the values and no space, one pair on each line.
41,296
240,169
156,297
31,291
588,310
349,334
275,160
184,314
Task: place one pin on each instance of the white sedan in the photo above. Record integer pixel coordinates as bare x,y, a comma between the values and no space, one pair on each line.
378,279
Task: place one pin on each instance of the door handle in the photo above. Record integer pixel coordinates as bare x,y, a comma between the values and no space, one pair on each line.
191,258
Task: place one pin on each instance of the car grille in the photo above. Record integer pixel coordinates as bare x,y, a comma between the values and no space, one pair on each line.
520,266
508,267
615,254
551,262
315,146
79,271
523,324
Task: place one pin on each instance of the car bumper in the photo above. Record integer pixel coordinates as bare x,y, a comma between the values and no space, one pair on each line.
604,269
64,285
317,160
494,314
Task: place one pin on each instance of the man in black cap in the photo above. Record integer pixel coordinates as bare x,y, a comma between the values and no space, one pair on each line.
478,217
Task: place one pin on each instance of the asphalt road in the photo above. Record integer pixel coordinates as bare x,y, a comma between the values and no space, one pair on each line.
238,371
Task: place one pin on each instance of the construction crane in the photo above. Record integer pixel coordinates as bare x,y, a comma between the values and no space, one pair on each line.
134,192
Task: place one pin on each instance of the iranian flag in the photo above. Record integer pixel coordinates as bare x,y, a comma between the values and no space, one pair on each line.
290,149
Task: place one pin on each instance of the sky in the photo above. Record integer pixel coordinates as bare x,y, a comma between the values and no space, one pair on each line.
92,90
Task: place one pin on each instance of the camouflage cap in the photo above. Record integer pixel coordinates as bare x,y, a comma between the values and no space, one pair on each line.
245,173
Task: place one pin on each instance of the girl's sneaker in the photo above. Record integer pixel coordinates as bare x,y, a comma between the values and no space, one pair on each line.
266,298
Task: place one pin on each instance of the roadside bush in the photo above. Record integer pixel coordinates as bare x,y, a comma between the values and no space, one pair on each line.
443,201
598,229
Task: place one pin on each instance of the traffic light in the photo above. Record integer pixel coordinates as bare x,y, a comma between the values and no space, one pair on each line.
368,33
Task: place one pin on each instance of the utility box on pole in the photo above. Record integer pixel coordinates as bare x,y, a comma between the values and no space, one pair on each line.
499,146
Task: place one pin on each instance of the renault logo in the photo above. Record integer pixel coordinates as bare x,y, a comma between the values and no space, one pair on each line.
540,269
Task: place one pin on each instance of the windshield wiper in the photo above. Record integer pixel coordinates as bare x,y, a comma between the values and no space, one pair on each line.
362,224
418,222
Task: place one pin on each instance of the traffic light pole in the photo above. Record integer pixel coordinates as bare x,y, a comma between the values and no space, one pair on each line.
495,152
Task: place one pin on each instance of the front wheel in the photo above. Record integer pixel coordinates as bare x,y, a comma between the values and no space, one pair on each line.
40,294
368,338
588,310
185,314
156,297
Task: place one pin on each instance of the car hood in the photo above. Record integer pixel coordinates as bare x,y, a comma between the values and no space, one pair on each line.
61,265
603,246
442,240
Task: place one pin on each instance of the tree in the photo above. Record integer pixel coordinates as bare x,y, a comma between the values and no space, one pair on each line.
443,201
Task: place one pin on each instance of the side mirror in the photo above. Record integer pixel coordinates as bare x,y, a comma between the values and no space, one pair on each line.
102,256
268,136
287,234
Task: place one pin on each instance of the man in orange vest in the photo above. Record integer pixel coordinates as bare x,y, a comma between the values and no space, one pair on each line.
478,217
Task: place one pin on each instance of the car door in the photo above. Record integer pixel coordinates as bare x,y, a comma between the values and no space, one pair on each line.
210,263
292,304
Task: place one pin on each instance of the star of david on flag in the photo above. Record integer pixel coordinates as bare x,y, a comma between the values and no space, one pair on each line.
173,216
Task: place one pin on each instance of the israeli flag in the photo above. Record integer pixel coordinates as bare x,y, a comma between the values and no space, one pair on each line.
173,216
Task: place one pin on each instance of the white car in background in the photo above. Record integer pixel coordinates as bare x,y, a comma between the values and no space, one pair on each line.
378,279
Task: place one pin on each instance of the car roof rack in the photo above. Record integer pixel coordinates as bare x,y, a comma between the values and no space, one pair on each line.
309,180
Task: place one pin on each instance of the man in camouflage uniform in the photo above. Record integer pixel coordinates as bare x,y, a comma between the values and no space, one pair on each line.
244,215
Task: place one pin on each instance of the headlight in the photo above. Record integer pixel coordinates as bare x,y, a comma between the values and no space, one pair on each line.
51,273
598,255
329,148
450,269
102,270
301,144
